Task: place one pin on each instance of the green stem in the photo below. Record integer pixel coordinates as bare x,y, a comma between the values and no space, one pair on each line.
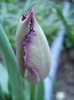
34,89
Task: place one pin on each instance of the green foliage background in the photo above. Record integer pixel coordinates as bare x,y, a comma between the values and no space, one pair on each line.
45,12
50,19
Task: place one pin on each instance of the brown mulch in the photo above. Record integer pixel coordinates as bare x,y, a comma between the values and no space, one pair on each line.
65,75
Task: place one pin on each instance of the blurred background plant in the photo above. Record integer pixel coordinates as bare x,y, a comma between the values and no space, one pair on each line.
46,14
48,17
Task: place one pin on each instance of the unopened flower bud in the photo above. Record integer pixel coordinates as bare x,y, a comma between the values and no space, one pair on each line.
32,49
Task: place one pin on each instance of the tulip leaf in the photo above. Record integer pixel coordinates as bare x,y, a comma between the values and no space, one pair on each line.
4,78
1,94
10,62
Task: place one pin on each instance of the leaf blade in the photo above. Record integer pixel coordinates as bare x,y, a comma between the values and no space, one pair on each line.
10,62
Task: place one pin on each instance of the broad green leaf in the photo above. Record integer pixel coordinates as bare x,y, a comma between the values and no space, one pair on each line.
4,78
1,94
10,62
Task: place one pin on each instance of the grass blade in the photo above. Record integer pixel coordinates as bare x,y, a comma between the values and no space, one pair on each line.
68,30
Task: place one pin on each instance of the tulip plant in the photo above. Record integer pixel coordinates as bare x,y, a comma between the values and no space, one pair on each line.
32,49
33,59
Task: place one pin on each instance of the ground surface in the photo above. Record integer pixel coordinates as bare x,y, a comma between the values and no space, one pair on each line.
65,74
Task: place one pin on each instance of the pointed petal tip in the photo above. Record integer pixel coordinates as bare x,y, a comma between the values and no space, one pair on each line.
31,11
27,15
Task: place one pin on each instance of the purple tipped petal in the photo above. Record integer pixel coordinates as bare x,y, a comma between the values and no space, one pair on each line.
27,43
32,49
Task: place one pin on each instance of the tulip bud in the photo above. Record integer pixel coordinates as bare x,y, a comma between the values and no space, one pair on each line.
32,49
